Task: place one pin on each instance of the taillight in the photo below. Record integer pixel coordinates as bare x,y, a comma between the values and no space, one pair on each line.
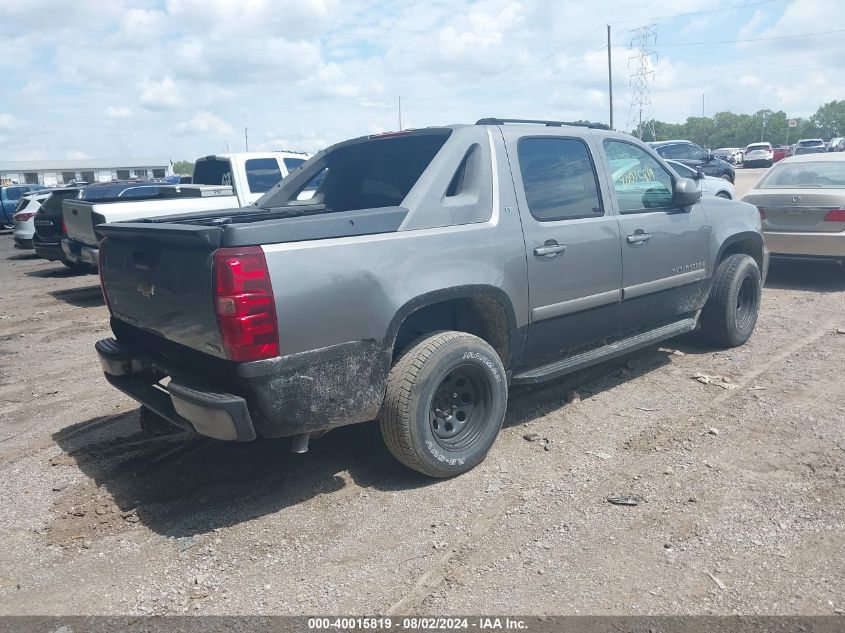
835,215
101,258
23,217
762,213
246,309
64,227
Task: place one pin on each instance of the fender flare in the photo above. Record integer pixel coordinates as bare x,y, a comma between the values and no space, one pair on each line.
516,336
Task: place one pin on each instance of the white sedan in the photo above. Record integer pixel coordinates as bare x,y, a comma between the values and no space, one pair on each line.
709,186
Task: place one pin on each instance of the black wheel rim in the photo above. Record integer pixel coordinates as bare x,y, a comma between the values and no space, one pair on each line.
459,407
746,303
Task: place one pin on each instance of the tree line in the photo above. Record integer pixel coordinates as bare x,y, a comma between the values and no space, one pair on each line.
726,129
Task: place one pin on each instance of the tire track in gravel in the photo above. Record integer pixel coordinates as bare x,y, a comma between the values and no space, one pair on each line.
480,526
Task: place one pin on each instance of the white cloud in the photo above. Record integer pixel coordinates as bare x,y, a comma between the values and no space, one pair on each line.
302,74
206,124
8,121
113,112
75,154
161,95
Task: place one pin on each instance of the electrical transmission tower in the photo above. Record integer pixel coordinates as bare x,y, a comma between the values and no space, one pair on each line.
642,39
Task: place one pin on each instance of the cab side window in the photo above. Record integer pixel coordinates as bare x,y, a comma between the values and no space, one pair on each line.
640,182
696,153
559,179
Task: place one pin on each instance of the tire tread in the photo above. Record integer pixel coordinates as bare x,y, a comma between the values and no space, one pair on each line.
395,416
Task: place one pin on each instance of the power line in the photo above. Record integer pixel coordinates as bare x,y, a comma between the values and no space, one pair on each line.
754,39
702,12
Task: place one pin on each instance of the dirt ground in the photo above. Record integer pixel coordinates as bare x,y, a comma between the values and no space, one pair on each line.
740,481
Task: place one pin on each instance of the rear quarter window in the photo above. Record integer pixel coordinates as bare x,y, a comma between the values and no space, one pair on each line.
262,174
212,172
374,173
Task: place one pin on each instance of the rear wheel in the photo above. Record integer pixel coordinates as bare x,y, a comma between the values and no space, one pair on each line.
445,402
729,317
726,176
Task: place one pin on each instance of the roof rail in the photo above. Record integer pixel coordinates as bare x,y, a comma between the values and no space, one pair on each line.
494,121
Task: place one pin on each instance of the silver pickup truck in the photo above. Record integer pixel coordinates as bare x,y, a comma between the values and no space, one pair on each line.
428,271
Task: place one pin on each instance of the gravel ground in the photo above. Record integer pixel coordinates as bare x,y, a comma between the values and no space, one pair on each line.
740,484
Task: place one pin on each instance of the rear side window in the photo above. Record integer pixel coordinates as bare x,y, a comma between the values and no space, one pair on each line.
293,163
213,172
559,179
53,204
640,182
262,174
375,173
13,193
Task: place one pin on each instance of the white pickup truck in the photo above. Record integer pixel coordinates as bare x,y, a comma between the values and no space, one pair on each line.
220,181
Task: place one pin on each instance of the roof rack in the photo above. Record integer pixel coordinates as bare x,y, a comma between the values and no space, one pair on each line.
494,121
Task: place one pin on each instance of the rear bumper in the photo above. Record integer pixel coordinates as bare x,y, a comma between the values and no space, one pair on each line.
48,250
78,252
284,396
218,415
806,244
21,242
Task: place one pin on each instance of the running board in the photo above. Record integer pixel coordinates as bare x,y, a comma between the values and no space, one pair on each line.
606,352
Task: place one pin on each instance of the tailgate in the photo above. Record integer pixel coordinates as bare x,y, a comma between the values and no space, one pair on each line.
162,283
798,210
80,219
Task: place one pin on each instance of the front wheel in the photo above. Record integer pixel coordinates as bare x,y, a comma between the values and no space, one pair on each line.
730,314
724,194
445,403
726,176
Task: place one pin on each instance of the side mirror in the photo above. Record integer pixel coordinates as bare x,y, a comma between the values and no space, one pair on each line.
686,193
699,175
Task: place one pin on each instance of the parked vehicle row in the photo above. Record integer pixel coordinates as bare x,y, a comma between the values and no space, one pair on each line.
224,319
695,156
59,223
762,154
223,181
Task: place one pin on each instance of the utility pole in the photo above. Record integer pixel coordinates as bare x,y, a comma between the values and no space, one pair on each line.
246,140
609,77
400,113
641,41
763,130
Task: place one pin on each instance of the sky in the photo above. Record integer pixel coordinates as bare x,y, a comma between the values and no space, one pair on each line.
183,78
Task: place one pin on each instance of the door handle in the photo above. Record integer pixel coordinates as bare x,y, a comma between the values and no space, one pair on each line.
549,249
638,237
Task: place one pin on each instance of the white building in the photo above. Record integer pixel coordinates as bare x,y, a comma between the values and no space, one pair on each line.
57,172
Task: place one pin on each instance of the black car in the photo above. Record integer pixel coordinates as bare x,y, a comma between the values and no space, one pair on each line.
695,156
49,220
50,228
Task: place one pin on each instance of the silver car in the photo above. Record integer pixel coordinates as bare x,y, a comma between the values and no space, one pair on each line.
802,205
709,186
